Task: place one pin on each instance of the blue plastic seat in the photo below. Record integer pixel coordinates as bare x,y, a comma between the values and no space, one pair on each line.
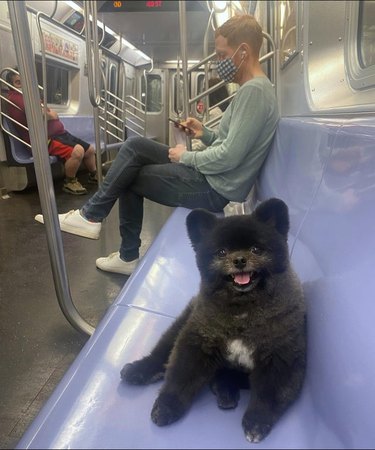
83,127
19,153
325,173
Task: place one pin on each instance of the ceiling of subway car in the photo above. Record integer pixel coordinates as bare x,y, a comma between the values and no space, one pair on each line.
153,30
156,32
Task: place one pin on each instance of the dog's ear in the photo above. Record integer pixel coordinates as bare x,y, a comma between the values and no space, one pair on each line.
198,223
275,213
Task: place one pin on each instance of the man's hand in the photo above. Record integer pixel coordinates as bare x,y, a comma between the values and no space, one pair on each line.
51,114
195,127
175,153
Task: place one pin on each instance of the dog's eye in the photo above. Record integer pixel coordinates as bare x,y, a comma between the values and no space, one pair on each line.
256,250
222,253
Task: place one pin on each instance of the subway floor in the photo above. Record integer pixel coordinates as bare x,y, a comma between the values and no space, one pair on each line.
37,344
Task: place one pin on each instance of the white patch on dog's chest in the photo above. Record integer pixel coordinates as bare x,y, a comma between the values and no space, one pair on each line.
239,353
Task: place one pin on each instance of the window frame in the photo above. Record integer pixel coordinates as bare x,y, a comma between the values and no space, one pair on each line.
359,77
57,66
145,79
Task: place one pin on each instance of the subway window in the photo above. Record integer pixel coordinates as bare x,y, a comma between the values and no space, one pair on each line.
200,105
57,83
200,83
153,93
112,85
113,78
178,87
366,34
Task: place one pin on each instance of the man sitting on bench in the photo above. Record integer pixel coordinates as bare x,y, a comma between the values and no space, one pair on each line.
61,143
224,171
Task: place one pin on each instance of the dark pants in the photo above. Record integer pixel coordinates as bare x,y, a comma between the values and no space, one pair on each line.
142,169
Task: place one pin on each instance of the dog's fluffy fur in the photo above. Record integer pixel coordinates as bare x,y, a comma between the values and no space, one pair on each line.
247,320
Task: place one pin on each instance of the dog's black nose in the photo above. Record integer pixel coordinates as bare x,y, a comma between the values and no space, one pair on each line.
240,262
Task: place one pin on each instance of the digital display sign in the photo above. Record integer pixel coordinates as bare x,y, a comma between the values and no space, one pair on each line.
147,6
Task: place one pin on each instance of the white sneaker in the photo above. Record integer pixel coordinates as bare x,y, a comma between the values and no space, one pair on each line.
72,222
113,263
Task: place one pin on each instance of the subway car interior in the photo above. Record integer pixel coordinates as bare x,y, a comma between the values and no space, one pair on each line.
113,70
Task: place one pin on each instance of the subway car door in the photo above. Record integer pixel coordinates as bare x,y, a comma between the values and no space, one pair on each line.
154,96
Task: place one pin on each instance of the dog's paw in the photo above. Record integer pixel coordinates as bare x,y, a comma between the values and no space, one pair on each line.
255,430
167,409
141,372
226,397
226,386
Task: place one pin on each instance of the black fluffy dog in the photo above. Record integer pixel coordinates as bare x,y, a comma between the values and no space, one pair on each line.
248,319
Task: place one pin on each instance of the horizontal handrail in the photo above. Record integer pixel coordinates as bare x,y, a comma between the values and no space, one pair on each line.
11,103
213,122
134,123
221,102
136,100
200,63
115,96
266,57
120,139
207,92
14,135
134,131
15,121
109,112
134,107
110,124
134,115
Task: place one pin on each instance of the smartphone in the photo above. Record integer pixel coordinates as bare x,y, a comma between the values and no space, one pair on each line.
176,122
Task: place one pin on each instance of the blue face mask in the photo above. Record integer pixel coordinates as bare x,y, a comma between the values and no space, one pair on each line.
226,69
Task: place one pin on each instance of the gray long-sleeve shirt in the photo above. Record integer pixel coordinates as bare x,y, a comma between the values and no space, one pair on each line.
234,155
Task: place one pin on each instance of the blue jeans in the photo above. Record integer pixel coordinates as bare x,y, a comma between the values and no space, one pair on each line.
142,170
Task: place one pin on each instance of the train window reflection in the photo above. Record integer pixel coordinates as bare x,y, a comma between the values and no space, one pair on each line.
200,82
366,33
153,93
288,30
178,87
112,83
57,83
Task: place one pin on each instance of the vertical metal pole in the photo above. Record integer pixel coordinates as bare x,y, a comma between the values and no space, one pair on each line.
183,44
205,54
93,72
38,138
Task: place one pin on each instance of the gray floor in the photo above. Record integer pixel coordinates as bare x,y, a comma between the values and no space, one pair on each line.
37,344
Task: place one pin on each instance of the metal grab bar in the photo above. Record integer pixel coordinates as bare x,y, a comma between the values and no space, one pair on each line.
38,138
269,55
141,117
134,107
130,97
185,78
44,63
92,53
3,98
200,63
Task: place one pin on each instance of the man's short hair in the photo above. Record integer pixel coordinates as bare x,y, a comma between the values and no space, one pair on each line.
10,75
243,28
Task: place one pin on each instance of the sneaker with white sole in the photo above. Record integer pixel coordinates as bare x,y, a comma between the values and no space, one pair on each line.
113,263
72,222
73,186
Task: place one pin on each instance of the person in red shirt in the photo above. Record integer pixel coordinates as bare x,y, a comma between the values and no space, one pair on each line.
62,144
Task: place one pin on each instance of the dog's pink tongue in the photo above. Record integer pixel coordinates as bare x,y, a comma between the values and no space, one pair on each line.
242,278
